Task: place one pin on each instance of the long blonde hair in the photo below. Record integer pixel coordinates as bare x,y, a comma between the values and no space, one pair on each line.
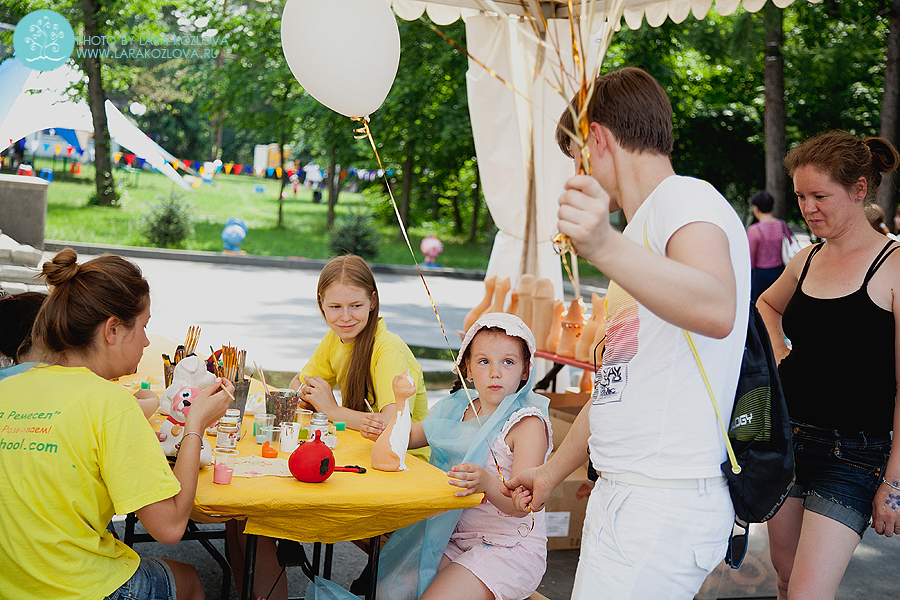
353,270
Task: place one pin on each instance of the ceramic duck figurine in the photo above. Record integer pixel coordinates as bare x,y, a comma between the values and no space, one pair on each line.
556,314
472,316
526,291
389,451
572,324
585,344
500,291
542,304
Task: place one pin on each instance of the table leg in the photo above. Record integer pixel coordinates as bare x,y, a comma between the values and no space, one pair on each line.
326,568
249,567
374,552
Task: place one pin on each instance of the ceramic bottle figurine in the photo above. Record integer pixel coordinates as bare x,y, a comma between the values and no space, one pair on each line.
472,316
500,291
556,314
572,324
389,451
542,303
526,291
586,342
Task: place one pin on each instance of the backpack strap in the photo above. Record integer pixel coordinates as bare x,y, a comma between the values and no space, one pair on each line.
735,467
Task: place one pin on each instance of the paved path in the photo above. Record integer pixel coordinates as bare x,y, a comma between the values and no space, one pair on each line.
273,314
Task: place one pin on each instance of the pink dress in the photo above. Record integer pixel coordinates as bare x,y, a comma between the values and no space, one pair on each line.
487,541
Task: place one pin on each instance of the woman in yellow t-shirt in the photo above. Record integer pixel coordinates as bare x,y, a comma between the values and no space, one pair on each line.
84,452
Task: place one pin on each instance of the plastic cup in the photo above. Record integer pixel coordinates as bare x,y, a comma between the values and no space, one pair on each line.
261,421
223,464
303,417
290,433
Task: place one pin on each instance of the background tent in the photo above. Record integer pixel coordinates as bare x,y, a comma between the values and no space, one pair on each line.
34,100
521,169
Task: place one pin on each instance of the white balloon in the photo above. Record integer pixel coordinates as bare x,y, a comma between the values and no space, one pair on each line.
345,53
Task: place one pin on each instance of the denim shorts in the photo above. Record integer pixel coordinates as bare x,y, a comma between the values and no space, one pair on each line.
153,580
838,473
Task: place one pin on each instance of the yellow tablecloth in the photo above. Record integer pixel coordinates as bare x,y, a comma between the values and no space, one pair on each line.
347,506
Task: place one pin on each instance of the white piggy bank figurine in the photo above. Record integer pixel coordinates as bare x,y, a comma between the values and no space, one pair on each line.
189,371
173,426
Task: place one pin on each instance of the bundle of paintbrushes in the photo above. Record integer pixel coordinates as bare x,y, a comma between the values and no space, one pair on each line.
232,362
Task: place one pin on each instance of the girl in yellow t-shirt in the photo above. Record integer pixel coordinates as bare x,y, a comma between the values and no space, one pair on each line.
359,355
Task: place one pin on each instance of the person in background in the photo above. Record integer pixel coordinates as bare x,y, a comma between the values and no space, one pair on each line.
17,314
361,357
659,518
85,452
875,216
471,554
848,470
765,238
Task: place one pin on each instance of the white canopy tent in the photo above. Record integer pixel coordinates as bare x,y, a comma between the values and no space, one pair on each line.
34,100
522,171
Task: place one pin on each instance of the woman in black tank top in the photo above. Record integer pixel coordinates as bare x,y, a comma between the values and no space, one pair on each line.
835,303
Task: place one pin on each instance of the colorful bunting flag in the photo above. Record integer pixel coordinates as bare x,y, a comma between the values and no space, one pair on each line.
228,168
237,169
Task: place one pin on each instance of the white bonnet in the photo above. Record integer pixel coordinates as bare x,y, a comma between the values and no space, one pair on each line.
511,324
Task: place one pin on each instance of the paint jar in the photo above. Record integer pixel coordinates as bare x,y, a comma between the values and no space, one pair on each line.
228,432
319,422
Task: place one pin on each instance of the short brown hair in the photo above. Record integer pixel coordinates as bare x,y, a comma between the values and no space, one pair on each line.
82,297
353,270
633,106
845,158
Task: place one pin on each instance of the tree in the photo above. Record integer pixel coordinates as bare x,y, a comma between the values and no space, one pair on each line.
889,108
254,88
776,142
425,130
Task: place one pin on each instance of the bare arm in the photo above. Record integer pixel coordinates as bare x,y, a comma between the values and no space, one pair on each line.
539,482
165,520
528,441
692,287
773,301
886,504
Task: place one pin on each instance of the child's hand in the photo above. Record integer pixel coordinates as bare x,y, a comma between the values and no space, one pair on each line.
371,426
471,477
521,499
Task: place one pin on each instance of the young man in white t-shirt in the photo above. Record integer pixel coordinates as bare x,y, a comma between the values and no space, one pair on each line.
659,518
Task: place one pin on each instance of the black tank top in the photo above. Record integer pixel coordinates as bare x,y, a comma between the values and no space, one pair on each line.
840,373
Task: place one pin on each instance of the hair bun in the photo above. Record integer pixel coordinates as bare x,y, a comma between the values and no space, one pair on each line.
62,268
884,155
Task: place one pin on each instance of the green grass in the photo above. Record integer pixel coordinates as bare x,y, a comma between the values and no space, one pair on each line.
304,234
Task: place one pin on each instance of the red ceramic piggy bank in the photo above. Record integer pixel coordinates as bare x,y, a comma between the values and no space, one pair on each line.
312,462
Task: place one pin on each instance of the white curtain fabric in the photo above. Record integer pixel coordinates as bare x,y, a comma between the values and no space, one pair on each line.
515,139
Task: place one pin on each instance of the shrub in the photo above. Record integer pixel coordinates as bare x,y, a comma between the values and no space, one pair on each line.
168,224
355,233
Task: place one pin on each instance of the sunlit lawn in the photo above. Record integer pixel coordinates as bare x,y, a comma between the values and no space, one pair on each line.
304,234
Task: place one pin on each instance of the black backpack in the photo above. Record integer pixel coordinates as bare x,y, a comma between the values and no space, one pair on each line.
759,432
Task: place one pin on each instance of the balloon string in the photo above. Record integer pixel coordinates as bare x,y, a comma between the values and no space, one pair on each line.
365,132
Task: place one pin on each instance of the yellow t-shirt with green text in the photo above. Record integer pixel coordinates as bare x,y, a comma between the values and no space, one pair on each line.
75,450
390,357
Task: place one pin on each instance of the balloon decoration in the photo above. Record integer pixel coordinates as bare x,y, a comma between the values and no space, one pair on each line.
323,41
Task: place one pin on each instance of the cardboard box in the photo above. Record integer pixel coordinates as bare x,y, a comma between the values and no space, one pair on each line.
564,511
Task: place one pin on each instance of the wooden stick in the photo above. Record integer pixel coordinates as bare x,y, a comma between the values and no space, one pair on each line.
262,376
230,395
